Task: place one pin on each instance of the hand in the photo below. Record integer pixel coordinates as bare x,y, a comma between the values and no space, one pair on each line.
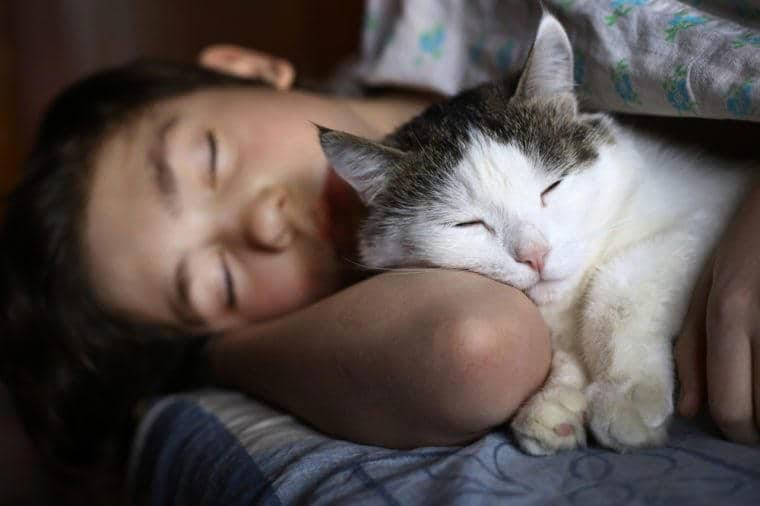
250,64
718,352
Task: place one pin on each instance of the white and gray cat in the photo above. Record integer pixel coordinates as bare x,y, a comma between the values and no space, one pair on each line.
603,226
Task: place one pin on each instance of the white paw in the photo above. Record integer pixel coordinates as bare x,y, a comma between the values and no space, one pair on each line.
627,418
551,420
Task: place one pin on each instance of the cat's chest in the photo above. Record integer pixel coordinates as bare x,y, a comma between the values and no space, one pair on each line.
563,322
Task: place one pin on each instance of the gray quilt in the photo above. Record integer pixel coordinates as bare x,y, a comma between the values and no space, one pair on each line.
221,448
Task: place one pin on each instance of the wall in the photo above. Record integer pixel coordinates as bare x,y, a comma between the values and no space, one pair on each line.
47,44
8,126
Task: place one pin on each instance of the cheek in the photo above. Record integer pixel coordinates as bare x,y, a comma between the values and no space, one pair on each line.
444,247
479,253
563,257
278,145
567,255
281,283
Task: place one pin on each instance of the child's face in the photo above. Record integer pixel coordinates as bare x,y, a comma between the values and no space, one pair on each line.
210,210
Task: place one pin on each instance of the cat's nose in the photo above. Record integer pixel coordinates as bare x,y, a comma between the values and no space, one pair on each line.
533,255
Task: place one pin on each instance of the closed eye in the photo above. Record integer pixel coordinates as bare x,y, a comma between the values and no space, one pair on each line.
212,148
475,223
547,190
229,283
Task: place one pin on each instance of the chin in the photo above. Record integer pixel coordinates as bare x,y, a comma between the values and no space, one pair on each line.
545,292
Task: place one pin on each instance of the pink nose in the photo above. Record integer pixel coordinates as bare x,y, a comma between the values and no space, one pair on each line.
532,255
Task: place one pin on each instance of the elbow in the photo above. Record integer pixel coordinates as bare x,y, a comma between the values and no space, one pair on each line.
494,363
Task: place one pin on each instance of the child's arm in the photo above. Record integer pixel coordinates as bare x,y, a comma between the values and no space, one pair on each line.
718,353
399,360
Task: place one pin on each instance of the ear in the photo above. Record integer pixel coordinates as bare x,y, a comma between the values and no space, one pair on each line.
362,163
250,64
549,69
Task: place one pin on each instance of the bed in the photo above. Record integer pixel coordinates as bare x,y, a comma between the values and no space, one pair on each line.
214,447
695,59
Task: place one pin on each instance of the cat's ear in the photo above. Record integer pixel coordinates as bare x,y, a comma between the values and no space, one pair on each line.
362,163
549,68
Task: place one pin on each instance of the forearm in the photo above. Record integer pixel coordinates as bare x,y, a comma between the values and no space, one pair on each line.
398,360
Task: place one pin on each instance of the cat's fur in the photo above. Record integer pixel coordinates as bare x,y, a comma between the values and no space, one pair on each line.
610,255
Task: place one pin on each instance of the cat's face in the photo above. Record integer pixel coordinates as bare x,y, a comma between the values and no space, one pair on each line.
502,212
508,188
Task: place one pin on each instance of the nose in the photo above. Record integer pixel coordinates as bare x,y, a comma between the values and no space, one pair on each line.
266,224
532,254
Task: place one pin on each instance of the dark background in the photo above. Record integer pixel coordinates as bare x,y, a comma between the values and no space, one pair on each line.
47,44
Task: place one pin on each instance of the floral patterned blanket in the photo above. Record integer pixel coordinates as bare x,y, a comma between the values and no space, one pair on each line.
662,57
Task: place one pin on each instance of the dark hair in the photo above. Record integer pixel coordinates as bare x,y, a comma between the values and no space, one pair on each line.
76,370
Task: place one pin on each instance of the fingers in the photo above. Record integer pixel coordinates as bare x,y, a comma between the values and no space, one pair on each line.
690,349
715,328
729,370
732,326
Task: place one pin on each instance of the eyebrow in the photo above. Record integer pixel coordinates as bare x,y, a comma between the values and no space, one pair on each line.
164,175
181,306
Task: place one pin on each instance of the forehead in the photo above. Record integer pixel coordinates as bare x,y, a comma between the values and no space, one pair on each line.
123,211
130,240
550,132
476,139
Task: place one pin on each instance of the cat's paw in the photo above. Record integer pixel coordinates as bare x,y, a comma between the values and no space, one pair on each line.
552,420
628,418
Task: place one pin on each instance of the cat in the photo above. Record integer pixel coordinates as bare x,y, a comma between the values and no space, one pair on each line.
604,226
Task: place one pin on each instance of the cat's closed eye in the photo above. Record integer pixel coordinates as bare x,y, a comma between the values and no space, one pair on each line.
475,223
547,190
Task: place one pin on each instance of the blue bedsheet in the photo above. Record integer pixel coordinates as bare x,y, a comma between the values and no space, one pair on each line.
221,448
